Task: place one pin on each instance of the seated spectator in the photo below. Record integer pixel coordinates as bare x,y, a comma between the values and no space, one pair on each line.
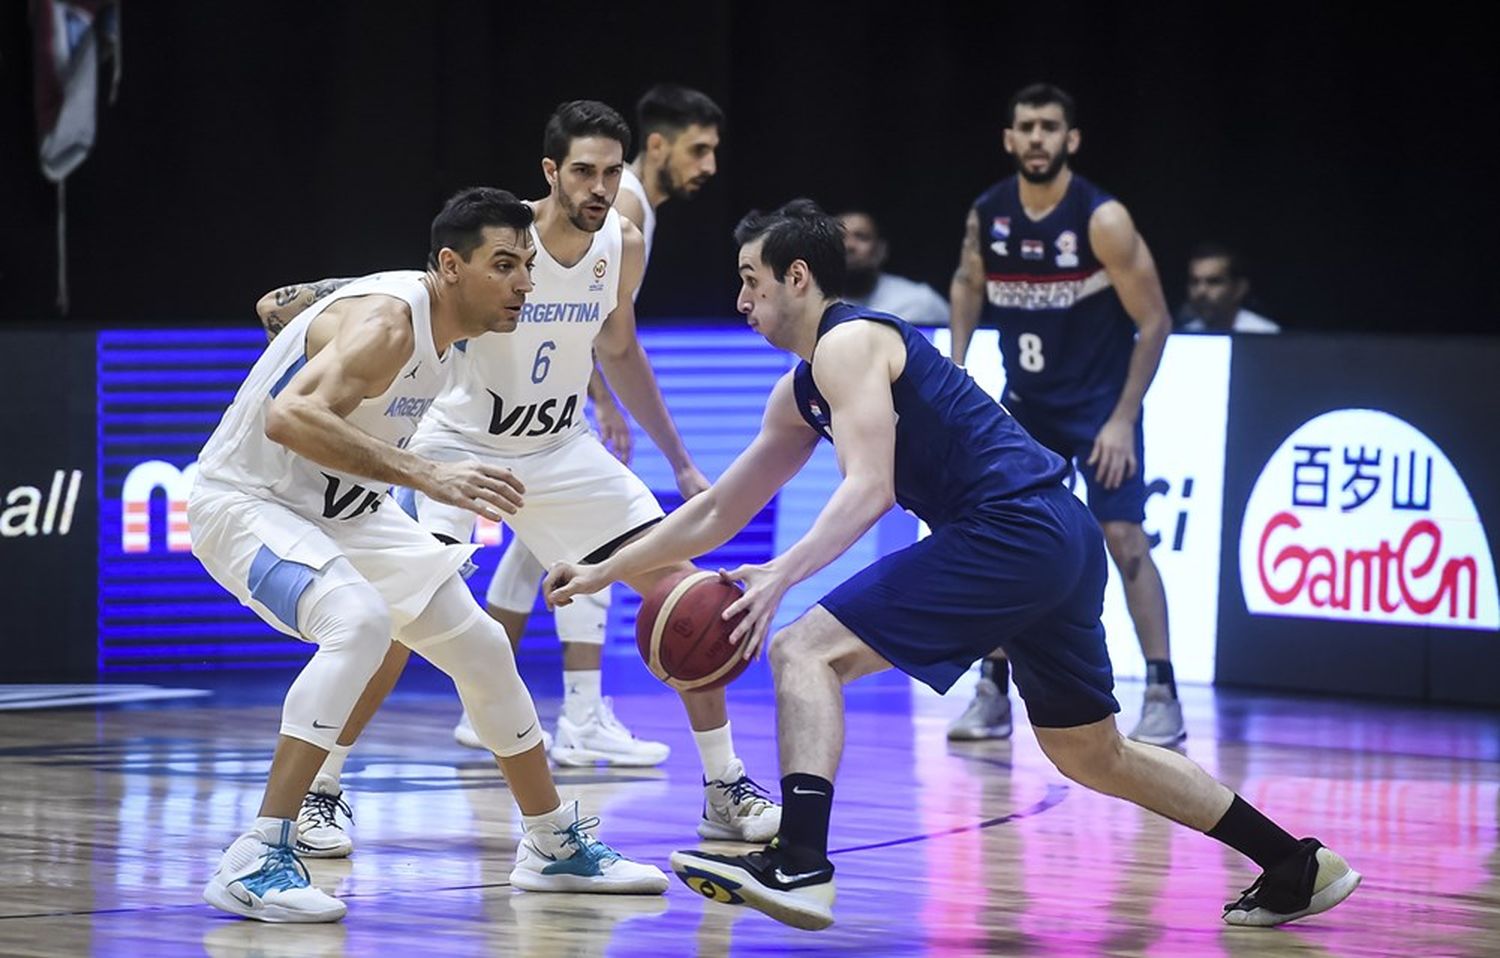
864,253
1216,291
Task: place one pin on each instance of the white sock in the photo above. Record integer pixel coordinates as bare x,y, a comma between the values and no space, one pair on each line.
581,692
542,828
716,750
333,766
270,830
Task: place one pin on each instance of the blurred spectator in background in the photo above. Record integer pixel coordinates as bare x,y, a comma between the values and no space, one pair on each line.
865,251
1216,291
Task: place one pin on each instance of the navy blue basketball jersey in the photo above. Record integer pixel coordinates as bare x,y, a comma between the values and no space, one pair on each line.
1064,335
956,448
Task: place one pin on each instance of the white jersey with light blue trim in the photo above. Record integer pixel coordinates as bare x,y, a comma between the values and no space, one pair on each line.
521,392
240,454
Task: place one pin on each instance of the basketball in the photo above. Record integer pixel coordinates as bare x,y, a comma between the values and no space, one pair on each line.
682,636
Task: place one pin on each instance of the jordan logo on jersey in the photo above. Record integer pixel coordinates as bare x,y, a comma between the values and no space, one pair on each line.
335,502
534,419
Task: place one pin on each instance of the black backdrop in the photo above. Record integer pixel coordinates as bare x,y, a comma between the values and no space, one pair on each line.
1346,151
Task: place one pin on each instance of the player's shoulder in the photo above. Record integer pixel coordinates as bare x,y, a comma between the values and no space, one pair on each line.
631,237
632,209
997,192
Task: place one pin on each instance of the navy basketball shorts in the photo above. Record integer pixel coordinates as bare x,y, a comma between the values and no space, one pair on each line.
1071,435
1024,574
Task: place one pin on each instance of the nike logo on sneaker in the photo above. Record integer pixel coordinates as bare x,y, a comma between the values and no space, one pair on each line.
786,879
247,901
796,789
317,724
522,733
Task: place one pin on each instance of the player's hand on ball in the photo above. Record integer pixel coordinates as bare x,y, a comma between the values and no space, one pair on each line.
1113,455
764,587
690,481
486,490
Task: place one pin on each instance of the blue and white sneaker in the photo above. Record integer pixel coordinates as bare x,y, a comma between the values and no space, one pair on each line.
261,877
570,859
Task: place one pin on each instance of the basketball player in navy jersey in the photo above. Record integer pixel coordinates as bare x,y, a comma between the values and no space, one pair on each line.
1056,263
1014,560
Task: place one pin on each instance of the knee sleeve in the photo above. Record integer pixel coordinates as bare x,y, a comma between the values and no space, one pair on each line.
516,576
583,619
349,622
455,635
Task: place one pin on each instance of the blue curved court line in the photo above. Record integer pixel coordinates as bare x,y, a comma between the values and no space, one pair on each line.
1053,798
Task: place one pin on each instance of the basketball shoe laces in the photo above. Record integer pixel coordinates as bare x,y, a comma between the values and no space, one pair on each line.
280,870
749,792
323,809
577,835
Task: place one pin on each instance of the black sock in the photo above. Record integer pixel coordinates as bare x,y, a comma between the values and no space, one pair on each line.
1253,835
1159,672
806,802
997,671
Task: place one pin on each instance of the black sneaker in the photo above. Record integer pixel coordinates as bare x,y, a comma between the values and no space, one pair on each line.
770,881
1311,881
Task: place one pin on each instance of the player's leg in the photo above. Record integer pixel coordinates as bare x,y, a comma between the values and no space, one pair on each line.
1120,512
792,879
1062,668
735,806
558,851
259,875
508,600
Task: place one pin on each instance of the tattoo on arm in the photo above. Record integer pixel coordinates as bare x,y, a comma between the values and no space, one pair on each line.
325,286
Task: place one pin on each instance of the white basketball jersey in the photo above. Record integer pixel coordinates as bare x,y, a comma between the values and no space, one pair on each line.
523,391
632,184
239,453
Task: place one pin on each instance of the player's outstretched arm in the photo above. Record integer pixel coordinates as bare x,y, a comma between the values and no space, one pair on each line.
1132,272
309,415
281,305
624,362
854,367
706,522
966,292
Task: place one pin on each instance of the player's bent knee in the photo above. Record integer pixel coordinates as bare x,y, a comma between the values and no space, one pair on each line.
1088,755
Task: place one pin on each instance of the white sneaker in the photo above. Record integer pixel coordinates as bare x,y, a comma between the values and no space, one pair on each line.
1161,719
603,738
319,834
736,809
266,881
572,860
464,734
988,715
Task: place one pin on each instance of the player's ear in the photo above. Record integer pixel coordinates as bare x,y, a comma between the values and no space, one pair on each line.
1074,138
447,264
549,170
1009,140
656,143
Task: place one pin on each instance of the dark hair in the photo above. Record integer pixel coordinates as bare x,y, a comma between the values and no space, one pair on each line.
460,224
798,230
1214,250
874,223
578,118
669,109
1043,94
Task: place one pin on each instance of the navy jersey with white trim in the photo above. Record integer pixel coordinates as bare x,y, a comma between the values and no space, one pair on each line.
956,448
1064,334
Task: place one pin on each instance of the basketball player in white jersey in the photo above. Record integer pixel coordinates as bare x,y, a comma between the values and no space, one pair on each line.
679,128
286,513
520,408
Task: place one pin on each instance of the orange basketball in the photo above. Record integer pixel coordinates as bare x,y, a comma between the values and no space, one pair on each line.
682,635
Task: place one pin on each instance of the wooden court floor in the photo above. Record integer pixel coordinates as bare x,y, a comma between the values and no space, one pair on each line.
111,819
